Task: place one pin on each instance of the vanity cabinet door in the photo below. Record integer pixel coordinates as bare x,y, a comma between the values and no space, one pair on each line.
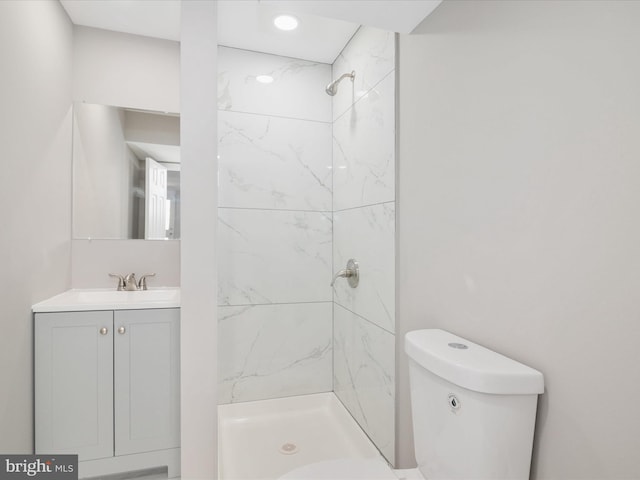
147,380
74,384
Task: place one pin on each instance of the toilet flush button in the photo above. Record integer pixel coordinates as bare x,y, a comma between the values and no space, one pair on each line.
459,346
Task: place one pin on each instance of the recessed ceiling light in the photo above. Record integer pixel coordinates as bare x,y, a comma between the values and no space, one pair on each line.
264,78
286,22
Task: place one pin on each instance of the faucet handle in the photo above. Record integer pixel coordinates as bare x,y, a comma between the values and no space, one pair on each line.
142,283
351,273
120,281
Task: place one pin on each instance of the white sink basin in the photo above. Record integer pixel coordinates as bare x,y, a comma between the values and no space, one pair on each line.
111,299
114,296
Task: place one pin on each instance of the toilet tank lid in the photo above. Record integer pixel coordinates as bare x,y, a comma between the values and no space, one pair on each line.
469,365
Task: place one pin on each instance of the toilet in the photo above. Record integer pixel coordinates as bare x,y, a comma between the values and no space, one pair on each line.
474,414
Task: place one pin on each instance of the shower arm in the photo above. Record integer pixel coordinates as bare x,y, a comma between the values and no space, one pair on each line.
351,75
332,88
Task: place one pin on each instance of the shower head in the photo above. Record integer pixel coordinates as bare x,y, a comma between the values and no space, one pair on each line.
332,88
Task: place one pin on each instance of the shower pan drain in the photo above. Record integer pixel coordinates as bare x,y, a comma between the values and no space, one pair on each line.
288,449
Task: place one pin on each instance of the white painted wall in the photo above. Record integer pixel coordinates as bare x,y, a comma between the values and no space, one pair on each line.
126,70
151,128
199,339
519,207
120,69
35,193
94,259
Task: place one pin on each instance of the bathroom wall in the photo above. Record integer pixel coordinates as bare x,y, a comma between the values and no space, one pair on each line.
275,227
35,132
124,70
198,312
519,207
364,229
120,69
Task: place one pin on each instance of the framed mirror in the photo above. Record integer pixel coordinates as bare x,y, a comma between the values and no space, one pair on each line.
126,173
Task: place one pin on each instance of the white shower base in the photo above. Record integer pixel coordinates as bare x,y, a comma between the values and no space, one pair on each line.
267,438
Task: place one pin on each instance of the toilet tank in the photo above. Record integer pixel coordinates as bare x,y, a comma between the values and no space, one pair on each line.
473,409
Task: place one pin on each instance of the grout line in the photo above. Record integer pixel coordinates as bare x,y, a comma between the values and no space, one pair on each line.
277,209
365,319
333,236
353,104
365,206
242,112
274,303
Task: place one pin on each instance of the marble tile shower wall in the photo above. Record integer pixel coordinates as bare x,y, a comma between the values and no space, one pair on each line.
275,227
364,229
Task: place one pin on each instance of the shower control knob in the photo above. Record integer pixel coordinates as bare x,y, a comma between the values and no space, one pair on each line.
351,273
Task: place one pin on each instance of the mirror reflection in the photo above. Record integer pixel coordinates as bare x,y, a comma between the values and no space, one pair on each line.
126,173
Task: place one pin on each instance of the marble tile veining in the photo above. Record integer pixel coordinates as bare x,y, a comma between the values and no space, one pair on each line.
364,229
274,162
364,150
364,376
284,168
269,256
371,54
269,351
368,235
297,90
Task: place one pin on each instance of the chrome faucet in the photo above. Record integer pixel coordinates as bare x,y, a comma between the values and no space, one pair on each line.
128,282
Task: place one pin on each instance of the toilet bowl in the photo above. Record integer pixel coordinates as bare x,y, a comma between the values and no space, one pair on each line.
473,413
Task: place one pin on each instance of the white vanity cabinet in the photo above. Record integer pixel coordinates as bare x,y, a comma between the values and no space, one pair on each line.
107,387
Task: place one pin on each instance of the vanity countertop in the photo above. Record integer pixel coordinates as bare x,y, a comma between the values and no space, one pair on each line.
110,299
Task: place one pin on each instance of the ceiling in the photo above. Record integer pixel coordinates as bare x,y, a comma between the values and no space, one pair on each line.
151,18
324,29
248,24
